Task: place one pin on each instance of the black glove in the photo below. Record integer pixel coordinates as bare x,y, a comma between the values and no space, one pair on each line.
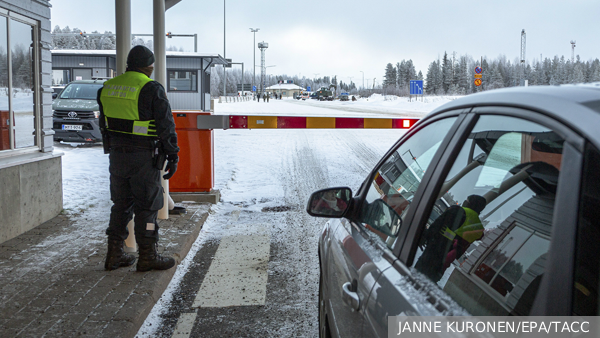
171,168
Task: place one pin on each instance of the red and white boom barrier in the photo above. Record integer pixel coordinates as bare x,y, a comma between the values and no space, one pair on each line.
300,122
195,138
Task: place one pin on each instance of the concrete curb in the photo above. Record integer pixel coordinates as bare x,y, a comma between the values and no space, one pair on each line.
165,276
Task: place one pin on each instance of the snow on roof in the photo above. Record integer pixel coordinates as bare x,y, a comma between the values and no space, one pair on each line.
114,52
285,86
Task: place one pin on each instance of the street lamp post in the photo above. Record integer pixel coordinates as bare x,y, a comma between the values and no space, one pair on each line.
254,30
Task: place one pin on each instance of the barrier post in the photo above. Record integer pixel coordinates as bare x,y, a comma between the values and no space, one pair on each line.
194,180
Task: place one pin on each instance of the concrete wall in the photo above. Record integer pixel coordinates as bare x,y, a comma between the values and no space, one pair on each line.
31,182
31,195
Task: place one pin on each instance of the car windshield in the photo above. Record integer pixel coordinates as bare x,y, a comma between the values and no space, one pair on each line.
83,91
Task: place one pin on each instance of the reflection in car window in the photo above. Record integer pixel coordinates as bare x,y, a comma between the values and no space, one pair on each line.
486,240
398,178
587,270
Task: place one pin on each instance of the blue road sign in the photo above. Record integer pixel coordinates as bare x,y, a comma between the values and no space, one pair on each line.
478,70
308,88
416,87
253,88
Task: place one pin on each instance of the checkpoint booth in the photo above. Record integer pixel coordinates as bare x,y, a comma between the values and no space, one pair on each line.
286,88
188,73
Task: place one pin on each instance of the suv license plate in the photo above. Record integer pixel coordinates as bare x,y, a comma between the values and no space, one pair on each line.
72,127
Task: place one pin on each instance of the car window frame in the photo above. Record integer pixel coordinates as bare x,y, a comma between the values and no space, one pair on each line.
391,255
560,265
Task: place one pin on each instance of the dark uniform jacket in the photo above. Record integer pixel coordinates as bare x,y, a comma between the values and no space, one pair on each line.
152,104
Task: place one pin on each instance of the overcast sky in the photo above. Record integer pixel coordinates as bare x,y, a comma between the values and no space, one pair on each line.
343,38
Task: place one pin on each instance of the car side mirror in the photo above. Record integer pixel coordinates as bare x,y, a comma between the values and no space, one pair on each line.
330,203
54,96
382,217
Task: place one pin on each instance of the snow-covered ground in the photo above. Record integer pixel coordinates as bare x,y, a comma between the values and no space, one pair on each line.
258,169
88,166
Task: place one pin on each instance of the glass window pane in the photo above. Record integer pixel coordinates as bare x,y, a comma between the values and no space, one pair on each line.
398,179
587,270
183,80
21,49
60,77
486,240
81,91
4,116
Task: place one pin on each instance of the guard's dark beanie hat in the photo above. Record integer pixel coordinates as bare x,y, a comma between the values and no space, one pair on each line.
477,203
140,56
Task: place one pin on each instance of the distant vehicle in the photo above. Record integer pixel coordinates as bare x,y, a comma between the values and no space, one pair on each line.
75,112
305,96
314,96
486,207
324,94
344,97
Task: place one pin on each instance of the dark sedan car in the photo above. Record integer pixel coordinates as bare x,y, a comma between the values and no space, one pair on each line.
489,206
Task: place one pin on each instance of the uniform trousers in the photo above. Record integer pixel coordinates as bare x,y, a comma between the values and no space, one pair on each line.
135,188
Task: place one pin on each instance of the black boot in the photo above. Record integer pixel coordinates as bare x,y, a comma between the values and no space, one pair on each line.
116,256
149,258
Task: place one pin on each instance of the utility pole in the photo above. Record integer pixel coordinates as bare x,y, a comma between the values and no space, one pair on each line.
262,46
522,70
254,30
572,51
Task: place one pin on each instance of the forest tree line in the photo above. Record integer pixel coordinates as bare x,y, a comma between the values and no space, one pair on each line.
454,75
450,75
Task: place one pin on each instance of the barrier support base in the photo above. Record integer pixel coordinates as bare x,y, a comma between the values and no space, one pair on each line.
203,197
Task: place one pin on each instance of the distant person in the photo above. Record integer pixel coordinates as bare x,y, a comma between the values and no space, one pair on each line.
257,97
449,236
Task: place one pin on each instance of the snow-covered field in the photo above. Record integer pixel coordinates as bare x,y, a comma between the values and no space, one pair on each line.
85,169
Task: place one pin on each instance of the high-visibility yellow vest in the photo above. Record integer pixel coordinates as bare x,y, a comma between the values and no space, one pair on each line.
119,100
471,229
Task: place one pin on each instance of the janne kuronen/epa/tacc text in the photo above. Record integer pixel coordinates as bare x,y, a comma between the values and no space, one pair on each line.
496,326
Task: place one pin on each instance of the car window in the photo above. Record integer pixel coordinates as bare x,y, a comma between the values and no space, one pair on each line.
587,269
397,179
83,91
487,238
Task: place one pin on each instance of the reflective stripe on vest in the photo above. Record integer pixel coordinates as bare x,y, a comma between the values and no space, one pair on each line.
119,100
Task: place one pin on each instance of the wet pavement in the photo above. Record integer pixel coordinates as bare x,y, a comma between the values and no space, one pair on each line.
53,282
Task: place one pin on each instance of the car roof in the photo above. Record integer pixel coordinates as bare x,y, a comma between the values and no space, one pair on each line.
576,106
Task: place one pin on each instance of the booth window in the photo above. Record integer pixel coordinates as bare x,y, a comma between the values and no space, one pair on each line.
60,77
183,81
18,83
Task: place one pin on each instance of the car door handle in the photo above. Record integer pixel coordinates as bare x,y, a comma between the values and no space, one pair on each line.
350,297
